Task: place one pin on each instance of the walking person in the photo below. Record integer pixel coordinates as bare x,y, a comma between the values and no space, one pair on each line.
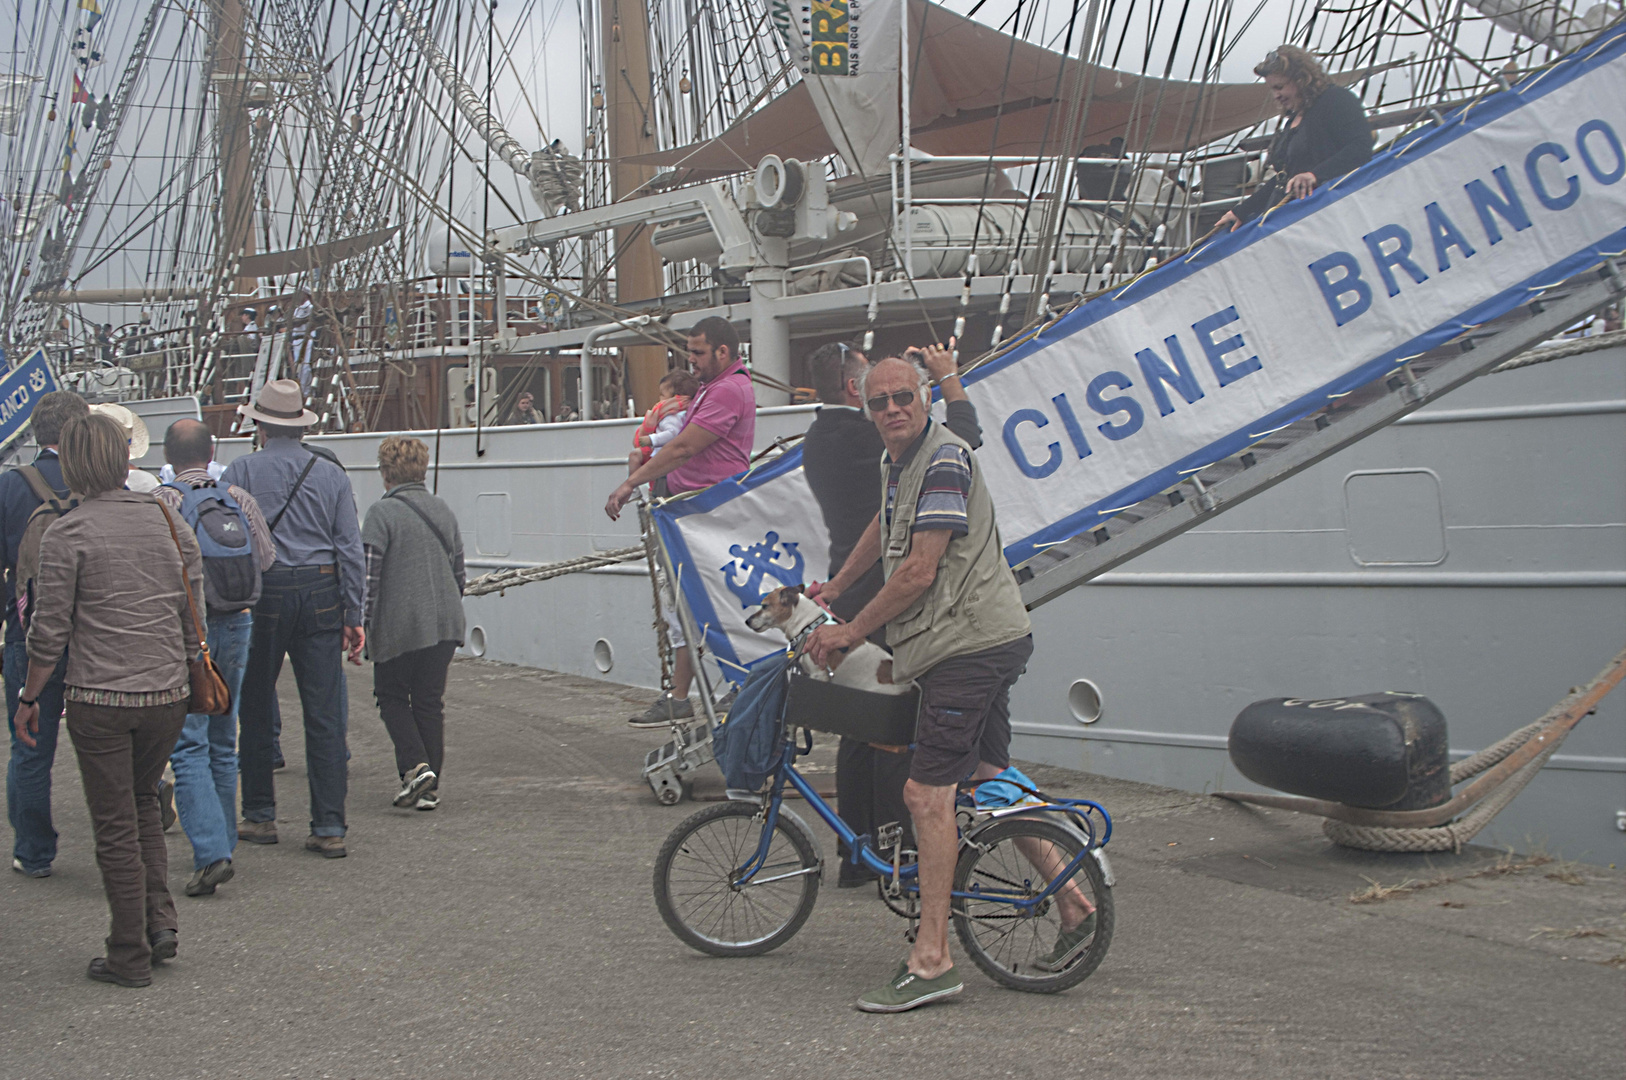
28,771
114,579
237,549
310,610
415,582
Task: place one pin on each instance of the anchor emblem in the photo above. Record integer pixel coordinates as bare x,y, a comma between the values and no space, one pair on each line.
757,562
36,379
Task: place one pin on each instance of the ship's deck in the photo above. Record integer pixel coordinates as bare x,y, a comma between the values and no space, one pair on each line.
513,933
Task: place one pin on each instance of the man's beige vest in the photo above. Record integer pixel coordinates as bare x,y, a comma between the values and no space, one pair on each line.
973,603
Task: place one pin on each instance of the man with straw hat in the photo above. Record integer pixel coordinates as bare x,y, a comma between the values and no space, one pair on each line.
135,430
310,610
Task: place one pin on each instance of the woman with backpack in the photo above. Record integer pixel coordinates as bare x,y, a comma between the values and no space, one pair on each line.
237,548
414,618
114,580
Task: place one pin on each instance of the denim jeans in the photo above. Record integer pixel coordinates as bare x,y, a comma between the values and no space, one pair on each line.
205,757
28,773
300,616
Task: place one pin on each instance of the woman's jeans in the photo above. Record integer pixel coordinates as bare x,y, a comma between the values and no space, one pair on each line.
28,773
205,757
410,691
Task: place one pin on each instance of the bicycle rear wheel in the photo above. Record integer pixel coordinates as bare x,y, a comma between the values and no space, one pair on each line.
695,890
1023,949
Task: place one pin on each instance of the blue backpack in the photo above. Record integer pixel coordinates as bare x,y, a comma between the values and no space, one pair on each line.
231,572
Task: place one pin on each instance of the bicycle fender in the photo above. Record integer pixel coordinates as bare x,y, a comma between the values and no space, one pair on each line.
1106,867
793,820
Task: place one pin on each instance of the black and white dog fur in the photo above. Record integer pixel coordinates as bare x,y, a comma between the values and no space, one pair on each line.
865,666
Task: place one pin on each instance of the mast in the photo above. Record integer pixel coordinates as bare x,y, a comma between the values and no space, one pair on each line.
630,122
230,79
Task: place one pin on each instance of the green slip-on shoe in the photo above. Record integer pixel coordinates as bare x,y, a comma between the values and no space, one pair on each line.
906,991
1069,943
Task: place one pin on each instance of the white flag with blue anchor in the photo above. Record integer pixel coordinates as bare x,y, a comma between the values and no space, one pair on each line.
737,540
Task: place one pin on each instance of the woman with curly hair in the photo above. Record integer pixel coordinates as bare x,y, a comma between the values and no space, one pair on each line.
1326,134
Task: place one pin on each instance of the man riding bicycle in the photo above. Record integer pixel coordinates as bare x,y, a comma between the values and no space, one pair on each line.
956,623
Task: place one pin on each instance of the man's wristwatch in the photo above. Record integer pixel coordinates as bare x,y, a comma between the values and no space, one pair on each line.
25,701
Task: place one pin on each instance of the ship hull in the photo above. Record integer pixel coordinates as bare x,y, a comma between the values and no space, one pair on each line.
1474,553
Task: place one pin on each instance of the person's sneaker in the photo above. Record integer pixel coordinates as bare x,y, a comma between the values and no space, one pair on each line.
329,847
37,872
663,711
204,881
429,800
413,784
257,832
908,991
1069,943
102,973
164,944
166,802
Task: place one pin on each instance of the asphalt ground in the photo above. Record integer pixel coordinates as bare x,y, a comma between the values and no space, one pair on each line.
513,933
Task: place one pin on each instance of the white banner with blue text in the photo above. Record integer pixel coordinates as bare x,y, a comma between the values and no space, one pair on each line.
1456,225
1123,397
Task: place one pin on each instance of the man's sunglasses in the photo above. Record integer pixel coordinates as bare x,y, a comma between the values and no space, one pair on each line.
902,399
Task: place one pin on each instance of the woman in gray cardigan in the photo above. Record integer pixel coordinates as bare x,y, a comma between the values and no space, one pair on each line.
414,614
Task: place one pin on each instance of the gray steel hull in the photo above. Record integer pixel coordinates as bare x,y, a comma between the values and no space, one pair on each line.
1475,553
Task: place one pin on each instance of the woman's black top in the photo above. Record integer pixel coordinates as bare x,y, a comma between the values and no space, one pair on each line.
1331,140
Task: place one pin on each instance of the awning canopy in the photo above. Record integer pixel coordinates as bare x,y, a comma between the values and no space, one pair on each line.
977,91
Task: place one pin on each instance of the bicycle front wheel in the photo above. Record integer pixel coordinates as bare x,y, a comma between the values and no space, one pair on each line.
1050,945
696,870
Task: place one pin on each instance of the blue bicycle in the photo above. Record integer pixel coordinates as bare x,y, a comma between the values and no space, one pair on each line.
740,878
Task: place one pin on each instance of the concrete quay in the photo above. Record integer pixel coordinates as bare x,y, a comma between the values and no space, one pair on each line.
513,933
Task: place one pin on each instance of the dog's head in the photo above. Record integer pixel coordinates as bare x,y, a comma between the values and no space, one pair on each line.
777,608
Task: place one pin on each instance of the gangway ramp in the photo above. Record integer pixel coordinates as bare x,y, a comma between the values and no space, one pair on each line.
1277,455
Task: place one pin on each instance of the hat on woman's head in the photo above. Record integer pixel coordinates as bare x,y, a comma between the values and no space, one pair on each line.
280,402
135,428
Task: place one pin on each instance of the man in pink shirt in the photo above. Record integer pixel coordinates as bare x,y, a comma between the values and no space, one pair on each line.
713,444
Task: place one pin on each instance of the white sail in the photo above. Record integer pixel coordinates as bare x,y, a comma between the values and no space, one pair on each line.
14,93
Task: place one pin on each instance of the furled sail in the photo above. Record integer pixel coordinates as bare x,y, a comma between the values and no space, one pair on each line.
1553,25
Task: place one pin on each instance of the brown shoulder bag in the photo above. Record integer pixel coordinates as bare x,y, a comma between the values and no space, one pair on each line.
210,695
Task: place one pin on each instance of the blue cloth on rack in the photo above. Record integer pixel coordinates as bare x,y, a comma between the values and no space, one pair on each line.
747,745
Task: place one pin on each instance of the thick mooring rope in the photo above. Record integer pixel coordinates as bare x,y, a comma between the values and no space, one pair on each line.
498,580
1451,836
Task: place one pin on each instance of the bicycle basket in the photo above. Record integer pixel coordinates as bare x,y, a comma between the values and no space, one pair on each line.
888,719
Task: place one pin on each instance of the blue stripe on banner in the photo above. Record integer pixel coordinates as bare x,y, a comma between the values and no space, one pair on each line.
1458,123
1026,548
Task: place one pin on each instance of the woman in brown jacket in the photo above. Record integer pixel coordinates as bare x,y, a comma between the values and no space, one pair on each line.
110,591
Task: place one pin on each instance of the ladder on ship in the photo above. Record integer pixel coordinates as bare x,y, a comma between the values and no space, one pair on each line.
1342,422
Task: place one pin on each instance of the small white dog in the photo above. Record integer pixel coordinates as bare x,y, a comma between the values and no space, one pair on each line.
865,666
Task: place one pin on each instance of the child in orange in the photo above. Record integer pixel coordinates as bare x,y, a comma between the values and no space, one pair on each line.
665,418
